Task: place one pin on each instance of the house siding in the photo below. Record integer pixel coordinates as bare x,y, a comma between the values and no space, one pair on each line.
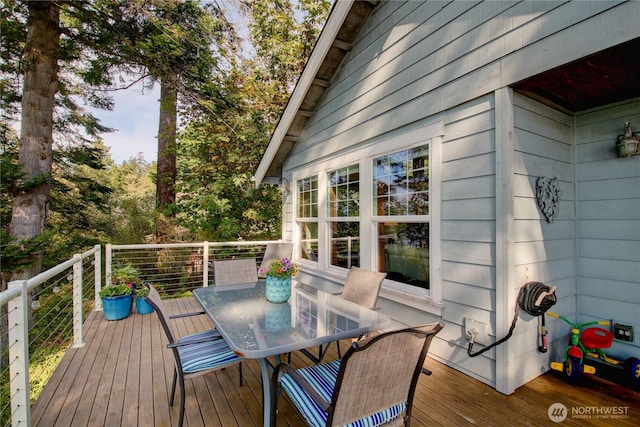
416,63
543,251
608,209
416,59
468,231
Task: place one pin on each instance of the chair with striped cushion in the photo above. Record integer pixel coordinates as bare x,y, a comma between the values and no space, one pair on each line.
373,384
195,354
361,286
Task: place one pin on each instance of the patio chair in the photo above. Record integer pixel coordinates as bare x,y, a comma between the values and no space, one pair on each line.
194,355
235,271
273,252
361,286
373,384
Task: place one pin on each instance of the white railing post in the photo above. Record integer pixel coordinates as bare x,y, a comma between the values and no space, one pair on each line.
205,265
97,279
19,355
108,259
77,301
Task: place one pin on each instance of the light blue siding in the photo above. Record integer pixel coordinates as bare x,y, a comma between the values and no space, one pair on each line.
420,62
608,209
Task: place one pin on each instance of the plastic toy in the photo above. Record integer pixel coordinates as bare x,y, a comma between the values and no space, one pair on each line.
585,350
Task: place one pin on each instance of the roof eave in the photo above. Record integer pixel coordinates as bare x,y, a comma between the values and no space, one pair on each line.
325,41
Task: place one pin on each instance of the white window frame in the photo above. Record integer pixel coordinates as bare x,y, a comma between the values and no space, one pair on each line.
331,219
428,300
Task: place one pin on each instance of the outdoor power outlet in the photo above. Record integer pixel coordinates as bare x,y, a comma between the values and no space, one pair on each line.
623,332
477,328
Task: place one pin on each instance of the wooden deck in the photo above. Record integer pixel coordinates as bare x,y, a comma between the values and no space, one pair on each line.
122,376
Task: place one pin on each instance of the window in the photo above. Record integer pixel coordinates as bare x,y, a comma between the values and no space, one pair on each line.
401,183
373,207
343,211
307,213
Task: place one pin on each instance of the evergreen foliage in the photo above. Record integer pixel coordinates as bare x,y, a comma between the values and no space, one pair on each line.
230,101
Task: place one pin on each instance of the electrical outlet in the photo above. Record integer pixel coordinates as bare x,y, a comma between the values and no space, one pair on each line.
476,330
623,332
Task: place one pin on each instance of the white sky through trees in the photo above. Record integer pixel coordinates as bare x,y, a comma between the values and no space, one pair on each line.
135,120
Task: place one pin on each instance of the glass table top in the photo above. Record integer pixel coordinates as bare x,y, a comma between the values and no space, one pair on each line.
256,328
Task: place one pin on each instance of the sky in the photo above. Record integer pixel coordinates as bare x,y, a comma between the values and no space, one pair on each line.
135,120
135,115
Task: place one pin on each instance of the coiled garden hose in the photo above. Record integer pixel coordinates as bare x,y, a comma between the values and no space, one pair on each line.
534,298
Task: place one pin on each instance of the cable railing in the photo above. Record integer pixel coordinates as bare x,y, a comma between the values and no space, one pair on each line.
178,268
42,317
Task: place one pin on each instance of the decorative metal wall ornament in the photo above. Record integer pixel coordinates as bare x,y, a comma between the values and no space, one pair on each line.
629,143
548,195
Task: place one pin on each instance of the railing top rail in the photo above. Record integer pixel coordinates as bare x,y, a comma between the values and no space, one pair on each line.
243,243
11,293
194,244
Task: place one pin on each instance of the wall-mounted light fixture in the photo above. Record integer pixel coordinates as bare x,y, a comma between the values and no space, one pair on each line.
628,143
284,187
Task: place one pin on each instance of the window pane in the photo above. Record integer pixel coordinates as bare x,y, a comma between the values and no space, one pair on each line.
309,240
307,323
404,252
345,244
308,197
344,192
401,183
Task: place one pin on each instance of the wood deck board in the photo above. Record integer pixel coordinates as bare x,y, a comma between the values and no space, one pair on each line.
122,376
61,380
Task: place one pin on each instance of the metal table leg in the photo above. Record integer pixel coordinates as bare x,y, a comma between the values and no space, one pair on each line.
265,372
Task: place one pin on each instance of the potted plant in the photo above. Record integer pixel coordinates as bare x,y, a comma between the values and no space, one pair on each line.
117,298
278,285
116,301
142,306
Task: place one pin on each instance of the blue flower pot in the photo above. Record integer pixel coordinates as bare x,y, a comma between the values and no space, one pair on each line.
117,308
143,307
277,318
277,289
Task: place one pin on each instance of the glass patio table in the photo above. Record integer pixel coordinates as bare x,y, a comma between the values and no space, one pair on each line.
257,329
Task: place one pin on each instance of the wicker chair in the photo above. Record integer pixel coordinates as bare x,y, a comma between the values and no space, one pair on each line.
195,354
373,384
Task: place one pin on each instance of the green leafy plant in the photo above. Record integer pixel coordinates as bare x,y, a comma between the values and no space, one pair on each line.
142,291
125,279
116,290
280,268
125,274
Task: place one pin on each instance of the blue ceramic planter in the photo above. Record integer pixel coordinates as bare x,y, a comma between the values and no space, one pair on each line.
278,290
117,308
277,318
143,307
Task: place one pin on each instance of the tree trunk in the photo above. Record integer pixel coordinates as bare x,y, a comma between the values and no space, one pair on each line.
29,214
166,178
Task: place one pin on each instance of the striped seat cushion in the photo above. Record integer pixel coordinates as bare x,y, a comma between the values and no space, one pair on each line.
205,355
323,379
